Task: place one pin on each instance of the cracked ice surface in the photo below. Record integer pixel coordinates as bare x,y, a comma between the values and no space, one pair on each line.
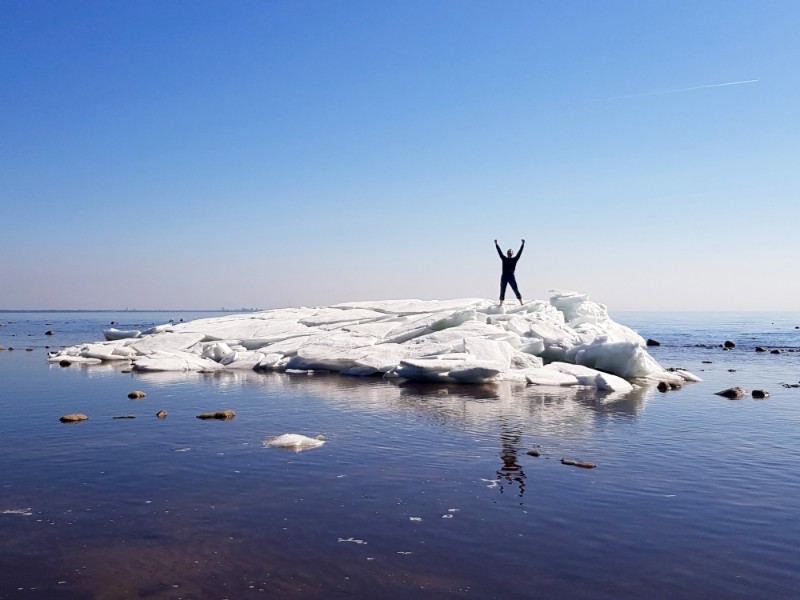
568,341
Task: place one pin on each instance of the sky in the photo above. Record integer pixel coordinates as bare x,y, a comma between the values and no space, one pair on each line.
184,155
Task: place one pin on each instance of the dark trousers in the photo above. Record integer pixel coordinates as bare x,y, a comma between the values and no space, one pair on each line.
509,280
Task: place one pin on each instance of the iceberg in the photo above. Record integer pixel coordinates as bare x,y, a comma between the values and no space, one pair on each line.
568,341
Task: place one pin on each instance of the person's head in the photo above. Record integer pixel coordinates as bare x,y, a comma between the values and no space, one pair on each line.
510,253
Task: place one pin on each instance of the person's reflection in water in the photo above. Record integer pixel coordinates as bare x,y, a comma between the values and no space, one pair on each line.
511,473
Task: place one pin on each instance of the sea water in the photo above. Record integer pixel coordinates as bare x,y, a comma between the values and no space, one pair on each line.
420,489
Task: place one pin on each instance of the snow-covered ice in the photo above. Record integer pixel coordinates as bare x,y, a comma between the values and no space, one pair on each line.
566,341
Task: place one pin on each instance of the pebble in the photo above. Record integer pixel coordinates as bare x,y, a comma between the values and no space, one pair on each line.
760,394
534,453
162,414
135,395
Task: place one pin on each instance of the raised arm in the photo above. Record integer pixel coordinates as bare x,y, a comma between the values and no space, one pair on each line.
521,248
499,252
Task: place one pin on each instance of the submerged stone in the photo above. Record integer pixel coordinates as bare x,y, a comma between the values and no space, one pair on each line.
578,463
162,414
760,394
221,415
135,395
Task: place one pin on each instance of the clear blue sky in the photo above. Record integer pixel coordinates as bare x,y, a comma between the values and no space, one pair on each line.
204,154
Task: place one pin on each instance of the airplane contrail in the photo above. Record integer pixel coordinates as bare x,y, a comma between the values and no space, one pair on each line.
687,89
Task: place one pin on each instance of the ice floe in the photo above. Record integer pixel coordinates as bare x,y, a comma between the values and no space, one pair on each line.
566,341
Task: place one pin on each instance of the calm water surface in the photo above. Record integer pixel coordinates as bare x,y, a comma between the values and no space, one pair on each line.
421,490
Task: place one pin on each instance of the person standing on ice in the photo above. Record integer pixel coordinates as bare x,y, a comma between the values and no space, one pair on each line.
509,264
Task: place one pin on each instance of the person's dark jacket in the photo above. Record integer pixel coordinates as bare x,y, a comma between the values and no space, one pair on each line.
509,263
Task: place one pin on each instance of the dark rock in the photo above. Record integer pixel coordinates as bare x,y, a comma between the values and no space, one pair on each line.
731,370
222,415
64,363
663,386
578,463
114,323
162,414
28,349
10,349
776,351
729,344
124,417
760,393
732,393
797,326
73,418
136,395
652,342
48,332
534,453
706,362
675,386
760,349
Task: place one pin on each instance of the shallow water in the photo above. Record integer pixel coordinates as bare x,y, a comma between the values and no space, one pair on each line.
419,489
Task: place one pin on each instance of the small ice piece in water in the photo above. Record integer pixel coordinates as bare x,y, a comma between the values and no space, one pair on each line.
295,442
415,518
25,512
351,540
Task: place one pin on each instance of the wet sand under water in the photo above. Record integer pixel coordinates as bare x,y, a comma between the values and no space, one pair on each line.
419,489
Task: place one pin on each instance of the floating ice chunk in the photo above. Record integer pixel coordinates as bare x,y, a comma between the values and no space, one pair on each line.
294,442
476,371
120,334
550,377
331,315
523,360
157,329
174,361
269,360
533,346
166,342
104,351
490,350
626,359
411,307
687,376
591,377
76,359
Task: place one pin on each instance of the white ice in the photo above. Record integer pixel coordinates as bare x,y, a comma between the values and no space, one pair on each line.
566,341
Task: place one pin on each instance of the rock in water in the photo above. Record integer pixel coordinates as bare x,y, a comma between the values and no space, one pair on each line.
220,415
48,332
578,463
729,344
652,342
760,394
663,386
162,414
760,349
732,393
295,442
776,351
534,453
73,418
137,394
124,417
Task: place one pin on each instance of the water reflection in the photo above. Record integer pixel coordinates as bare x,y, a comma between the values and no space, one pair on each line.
510,473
